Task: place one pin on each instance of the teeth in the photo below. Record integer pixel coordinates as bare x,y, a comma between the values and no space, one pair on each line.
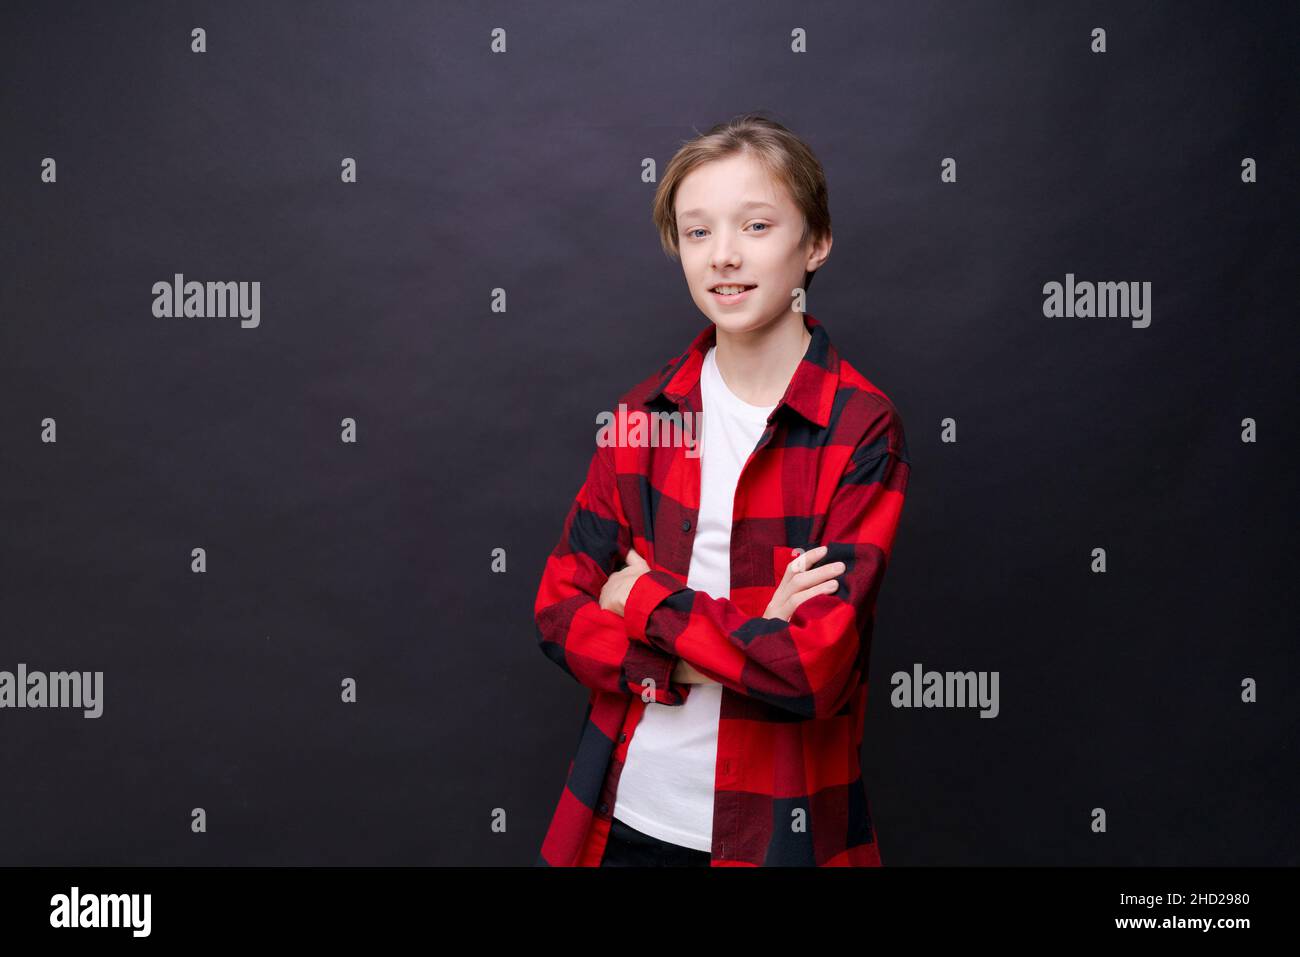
729,290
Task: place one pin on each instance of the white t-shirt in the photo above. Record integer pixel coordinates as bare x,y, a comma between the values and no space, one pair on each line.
666,788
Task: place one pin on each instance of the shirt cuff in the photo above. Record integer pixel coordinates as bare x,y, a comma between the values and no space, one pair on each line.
644,661
646,594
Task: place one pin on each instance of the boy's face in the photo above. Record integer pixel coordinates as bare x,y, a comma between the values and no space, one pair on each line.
721,239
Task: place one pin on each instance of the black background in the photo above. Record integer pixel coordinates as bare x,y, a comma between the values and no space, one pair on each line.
522,171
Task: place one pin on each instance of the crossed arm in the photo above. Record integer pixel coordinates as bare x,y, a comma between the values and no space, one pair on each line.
590,642
650,623
799,583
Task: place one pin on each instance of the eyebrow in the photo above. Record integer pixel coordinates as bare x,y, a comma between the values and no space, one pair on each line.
752,204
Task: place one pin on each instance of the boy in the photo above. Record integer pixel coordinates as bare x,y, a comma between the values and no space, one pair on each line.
727,657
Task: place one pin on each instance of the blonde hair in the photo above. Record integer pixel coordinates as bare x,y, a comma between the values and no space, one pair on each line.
786,158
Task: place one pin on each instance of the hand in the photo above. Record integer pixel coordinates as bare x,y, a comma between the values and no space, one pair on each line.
613,595
798,585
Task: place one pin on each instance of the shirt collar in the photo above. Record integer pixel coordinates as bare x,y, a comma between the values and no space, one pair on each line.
812,388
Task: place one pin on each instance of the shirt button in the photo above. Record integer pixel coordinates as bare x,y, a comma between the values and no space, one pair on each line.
604,809
686,525
622,737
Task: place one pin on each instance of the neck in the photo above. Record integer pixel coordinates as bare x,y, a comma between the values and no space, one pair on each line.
758,365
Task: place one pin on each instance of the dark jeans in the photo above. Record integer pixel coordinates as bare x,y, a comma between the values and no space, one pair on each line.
628,847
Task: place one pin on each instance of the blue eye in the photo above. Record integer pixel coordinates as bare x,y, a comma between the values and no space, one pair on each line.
690,233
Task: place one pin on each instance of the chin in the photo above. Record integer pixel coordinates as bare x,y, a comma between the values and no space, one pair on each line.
731,322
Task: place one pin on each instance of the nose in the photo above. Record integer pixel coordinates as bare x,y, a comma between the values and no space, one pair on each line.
725,254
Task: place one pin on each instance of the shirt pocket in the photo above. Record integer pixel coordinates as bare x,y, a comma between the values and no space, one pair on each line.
782,555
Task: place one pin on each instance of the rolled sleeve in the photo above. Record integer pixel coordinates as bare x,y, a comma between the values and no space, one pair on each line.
646,594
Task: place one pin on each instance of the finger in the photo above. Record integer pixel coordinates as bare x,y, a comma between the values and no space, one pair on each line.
805,560
796,564
815,576
814,555
823,589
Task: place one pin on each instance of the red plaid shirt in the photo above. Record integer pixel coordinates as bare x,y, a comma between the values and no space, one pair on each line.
830,469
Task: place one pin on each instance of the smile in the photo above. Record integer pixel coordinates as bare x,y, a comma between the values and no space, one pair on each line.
734,293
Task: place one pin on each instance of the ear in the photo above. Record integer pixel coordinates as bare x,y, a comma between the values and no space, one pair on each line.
821,250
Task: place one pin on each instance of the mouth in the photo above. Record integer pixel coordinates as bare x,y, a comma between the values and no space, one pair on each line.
728,293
